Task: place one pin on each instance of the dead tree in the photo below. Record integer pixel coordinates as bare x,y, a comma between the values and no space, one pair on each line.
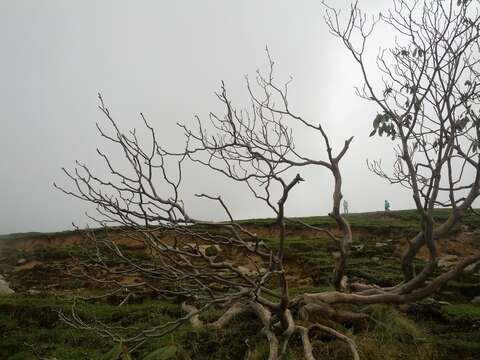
252,146
428,106
257,147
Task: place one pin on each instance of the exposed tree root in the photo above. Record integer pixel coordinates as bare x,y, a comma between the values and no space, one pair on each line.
350,342
271,324
221,322
389,297
307,345
287,334
328,312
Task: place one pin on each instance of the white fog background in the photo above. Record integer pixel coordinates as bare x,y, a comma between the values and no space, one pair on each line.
166,59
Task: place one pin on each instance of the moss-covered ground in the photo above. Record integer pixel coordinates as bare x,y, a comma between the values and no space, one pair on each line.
447,327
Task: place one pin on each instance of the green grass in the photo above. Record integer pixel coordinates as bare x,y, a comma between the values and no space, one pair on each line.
34,320
377,221
463,311
315,255
400,220
401,337
453,329
26,321
39,235
390,335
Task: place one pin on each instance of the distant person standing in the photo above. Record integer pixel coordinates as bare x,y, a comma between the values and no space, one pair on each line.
345,207
387,206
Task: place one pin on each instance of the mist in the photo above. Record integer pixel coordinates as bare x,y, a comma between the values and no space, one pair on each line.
166,59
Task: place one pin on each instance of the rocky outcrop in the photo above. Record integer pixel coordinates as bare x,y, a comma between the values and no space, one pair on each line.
4,288
448,261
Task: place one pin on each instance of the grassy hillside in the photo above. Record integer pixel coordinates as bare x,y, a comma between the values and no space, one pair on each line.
402,220
443,328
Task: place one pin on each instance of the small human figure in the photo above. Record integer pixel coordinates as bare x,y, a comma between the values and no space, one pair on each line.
387,206
345,207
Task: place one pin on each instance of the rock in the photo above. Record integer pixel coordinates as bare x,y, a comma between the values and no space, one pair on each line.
304,282
358,248
476,300
33,292
4,288
336,255
254,244
379,244
21,261
448,261
244,270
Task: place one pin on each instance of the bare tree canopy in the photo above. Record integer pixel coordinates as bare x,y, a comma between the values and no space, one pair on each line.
428,106
428,103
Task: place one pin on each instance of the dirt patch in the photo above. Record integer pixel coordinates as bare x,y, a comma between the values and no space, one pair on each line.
28,265
302,244
461,244
47,241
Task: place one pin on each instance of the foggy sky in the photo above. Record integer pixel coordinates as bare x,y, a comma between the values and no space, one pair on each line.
166,59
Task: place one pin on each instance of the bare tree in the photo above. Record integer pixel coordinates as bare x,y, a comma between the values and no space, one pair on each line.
253,146
428,103
257,147
428,106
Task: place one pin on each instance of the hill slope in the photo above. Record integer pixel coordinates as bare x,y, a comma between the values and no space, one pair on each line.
35,264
